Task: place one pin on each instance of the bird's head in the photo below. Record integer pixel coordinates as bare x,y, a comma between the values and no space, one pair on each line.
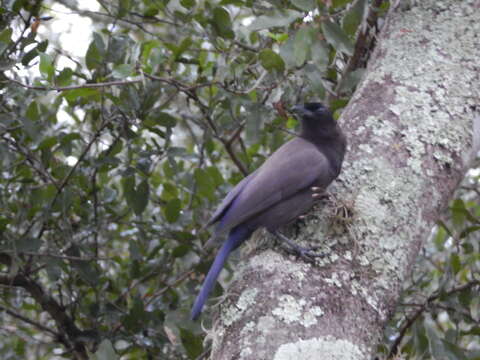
314,111
317,121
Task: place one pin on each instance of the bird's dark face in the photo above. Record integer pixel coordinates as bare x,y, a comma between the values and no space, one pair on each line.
312,111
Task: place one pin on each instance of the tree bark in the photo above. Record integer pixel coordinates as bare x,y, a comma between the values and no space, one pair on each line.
410,130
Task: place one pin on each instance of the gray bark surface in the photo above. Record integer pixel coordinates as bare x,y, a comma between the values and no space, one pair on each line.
410,131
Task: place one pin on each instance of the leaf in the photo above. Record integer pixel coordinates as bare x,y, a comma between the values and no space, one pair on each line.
215,175
93,57
315,79
204,184
292,123
467,231
270,60
222,23
128,184
87,271
125,6
192,343
354,16
302,45
47,143
187,4
336,37
455,263
29,56
147,47
105,351
475,308
30,244
275,19
172,210
351,80
65,77
280,38
460,214
33,112
287,52
68,138
340,3
46,66
122,71
141,198
420,339
6,36
5,39
319,50
184,45
54,269
3,223
137,317
163,119
99,43
169,192
305,5
181,250
75,94
137,198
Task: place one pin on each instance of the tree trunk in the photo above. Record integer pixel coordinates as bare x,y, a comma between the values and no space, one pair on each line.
410,131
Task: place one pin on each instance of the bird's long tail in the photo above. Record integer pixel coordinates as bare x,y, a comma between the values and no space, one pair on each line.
235,238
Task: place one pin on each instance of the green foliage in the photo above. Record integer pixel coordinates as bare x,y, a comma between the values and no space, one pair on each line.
105,190
439,312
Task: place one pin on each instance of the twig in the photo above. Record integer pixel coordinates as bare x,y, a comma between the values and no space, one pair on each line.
45,175
73,87
57,256
30,321
245,46
64,323
182,277
233,156
79,160
168,286
410,321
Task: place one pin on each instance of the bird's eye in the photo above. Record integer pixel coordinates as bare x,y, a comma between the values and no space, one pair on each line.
313,107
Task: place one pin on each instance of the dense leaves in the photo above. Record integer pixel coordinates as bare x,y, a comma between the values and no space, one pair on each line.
112,160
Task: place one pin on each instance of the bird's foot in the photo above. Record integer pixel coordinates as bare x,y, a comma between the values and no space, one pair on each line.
307,254
319,193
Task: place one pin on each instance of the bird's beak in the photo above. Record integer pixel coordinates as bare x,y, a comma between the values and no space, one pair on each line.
298,109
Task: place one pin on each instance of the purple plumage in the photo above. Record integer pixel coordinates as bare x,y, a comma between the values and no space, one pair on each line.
281,189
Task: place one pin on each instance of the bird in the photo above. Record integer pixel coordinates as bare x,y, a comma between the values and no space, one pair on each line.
284,187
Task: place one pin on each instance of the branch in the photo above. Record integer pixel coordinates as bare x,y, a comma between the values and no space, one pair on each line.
182,277
64,323
410,321
73,87
3,255
245,46
33,160
228,146
80,159
179,85
32,322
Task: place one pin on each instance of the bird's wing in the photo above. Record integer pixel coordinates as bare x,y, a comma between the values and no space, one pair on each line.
293,167
229,198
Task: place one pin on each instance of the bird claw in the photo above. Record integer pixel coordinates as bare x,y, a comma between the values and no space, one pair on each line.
307,254
319,193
